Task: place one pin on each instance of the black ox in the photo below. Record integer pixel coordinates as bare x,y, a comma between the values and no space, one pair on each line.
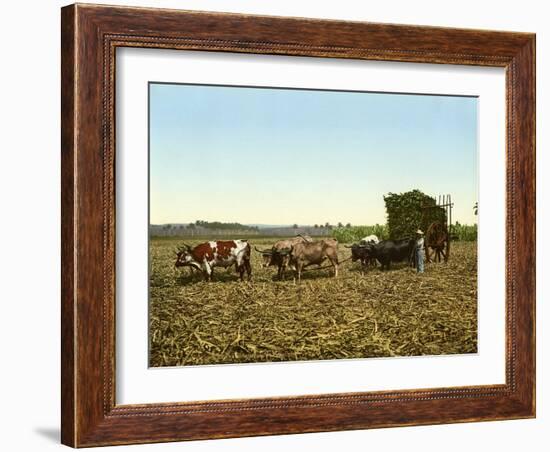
362,253
388,251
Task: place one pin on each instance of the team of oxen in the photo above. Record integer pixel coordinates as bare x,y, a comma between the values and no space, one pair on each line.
295,253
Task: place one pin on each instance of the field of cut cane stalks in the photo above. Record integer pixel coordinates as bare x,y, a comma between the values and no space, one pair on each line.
358,315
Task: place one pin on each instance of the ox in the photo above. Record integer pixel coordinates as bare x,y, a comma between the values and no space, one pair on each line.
388,251
361,251
303,254
222,253
278,254
363,254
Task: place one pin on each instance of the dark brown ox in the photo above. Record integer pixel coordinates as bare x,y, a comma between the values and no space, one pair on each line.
304,254
278,255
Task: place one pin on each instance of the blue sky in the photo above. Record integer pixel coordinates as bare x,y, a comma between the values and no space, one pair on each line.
284,156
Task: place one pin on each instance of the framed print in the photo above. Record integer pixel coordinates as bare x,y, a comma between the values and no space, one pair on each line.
281,225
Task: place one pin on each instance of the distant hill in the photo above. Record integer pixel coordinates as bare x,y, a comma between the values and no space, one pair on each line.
269,226
287,231
220,229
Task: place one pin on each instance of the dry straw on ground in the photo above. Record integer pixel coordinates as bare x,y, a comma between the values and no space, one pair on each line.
375,314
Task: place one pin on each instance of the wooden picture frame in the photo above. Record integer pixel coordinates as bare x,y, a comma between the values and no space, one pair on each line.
90,36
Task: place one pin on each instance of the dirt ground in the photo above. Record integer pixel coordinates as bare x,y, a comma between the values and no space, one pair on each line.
357,315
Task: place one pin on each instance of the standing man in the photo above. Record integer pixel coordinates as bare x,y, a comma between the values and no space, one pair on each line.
419,251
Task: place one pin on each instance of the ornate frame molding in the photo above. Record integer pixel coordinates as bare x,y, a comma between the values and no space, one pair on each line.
90,37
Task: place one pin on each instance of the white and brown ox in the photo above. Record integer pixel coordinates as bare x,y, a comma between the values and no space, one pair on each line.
303,254
278,255
221,253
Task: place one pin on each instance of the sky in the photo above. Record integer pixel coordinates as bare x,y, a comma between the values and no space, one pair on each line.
284,156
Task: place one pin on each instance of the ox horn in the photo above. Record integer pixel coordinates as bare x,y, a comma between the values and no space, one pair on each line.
263,251
284,251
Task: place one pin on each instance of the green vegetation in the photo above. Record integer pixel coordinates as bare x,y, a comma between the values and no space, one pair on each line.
351,234
464,232
406,213
375,314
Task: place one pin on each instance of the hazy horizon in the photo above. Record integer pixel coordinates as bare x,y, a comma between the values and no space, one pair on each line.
287,156
287,225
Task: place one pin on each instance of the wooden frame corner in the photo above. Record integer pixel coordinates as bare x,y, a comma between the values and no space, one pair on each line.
90,35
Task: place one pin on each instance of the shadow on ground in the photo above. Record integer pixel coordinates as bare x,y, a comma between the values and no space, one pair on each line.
51,433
